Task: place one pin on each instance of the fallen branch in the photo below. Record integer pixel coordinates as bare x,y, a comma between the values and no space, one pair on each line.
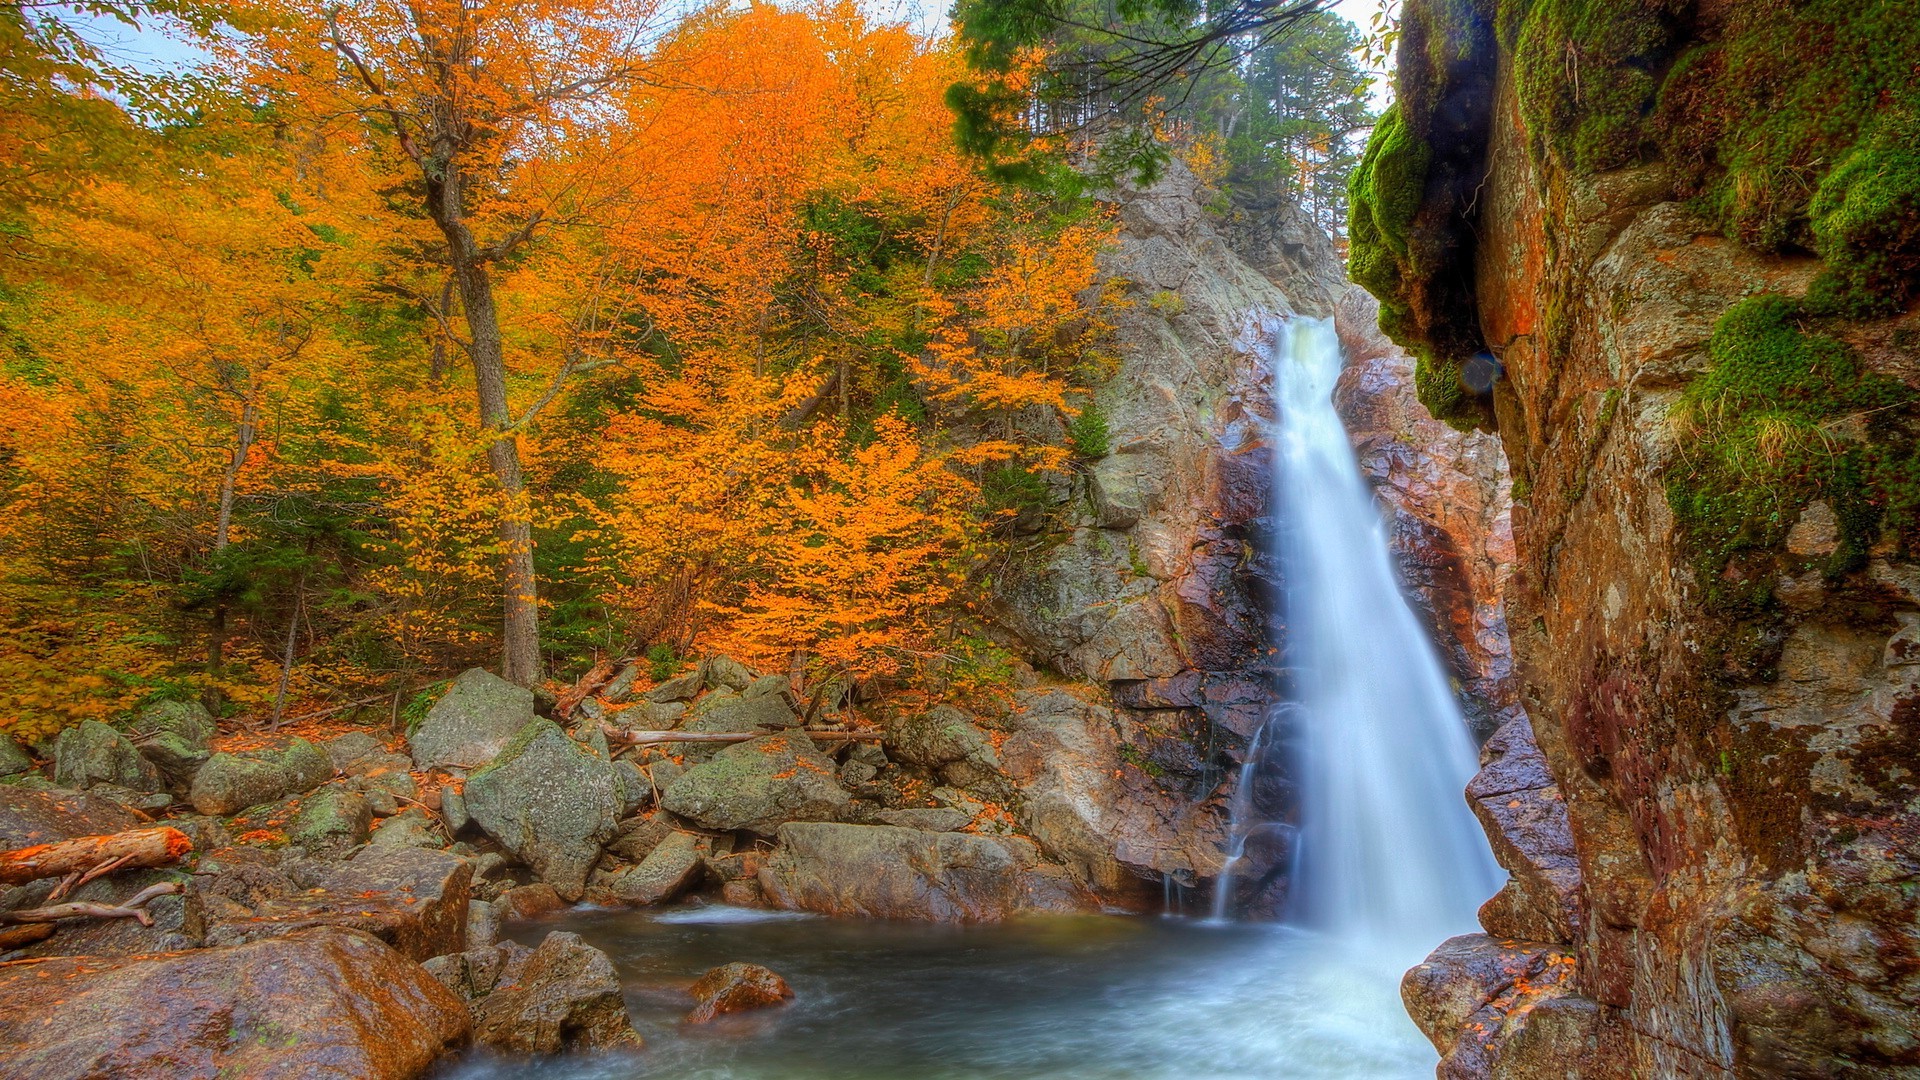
133,908
654,738
589,685
136,847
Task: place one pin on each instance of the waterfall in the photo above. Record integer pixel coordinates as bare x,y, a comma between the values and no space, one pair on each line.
1385,847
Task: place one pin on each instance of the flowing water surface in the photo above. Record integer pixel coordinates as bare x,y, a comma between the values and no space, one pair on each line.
1390,862
1062,998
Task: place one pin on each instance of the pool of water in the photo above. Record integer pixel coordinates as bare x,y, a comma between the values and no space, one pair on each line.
1086,998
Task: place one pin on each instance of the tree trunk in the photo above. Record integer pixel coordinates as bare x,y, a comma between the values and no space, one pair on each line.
520,648
223,530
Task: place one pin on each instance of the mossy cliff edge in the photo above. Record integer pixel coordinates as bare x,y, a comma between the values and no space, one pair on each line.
1686,237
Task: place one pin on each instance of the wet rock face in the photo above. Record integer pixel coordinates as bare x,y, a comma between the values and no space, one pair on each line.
734,988
563,995
1739,786
1152,570
322,1002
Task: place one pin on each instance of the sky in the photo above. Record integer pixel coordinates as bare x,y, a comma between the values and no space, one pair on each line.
150,47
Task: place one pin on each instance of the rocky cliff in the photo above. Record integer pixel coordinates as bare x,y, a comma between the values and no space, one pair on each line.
1152,589
1149,584
1669,250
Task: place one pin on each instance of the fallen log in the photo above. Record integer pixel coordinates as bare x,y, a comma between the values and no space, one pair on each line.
654,738
136,847
19,937
133,908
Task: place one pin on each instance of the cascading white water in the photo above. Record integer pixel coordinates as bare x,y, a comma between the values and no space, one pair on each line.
1387,850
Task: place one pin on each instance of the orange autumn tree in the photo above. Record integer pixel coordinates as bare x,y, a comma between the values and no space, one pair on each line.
768,348
483,111
810,251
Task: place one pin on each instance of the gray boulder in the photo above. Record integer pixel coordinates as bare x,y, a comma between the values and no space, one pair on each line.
453,810
231,782
349,750
93,753
472,722
758,785
724,711
13,759
878,871
412,827
947,741
177,736
333,822
724,673
671,868
550,801
679,688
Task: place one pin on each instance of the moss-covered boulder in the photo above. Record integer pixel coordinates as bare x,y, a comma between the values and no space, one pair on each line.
93,753
550,801
470,724
671,868
177,736
228,783
759,785
333,822
14,759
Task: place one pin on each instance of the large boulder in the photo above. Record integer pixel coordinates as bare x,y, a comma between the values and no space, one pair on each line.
1505,1010
31,816
562,995
332,822
758,785
472,722
947,741
550,801
413,899
1116,826
13,759
177,736
228,783
92,753
322,1003
879,871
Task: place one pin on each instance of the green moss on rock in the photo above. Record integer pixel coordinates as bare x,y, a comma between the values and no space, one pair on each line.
1414,194
1588,73
1792,127
1784,415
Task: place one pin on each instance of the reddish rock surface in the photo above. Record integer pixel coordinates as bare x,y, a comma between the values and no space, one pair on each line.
317,1003
734,988
411,898
1740,787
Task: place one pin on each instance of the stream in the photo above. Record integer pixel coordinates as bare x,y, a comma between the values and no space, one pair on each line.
1065,998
